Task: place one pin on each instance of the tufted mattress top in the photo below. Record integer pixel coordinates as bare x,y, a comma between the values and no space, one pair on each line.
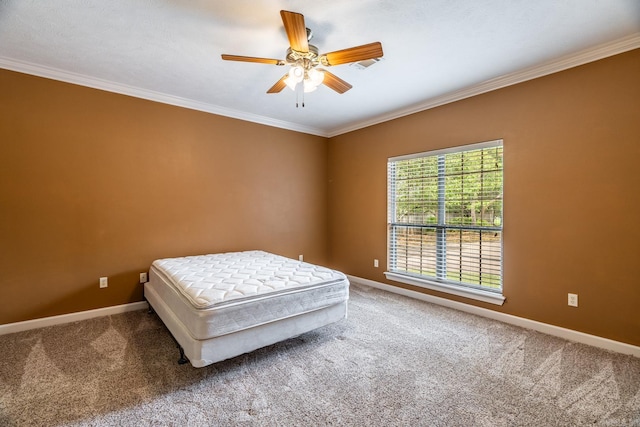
207,280
217,294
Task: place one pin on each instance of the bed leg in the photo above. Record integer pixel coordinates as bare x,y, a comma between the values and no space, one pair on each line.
182,359
150,310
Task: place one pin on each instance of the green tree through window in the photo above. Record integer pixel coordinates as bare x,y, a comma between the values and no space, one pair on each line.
445,215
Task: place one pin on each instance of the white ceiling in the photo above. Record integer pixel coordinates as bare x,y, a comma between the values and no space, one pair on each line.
436,51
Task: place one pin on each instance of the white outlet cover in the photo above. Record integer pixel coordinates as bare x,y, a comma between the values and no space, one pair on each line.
572,300
104,282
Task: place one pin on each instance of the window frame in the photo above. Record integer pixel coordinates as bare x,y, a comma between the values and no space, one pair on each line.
447,286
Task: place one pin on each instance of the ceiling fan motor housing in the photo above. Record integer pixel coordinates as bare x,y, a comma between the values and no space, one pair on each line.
304,59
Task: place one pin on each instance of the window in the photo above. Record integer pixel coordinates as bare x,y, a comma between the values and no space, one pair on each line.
445,220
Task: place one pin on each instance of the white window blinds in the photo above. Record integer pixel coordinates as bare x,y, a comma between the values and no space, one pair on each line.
445,215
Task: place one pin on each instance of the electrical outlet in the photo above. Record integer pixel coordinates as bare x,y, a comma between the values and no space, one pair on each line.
301,257
104,282
143,277
573,300
375,263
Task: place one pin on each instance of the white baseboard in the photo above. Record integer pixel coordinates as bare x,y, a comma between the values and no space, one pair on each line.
10,328
568,334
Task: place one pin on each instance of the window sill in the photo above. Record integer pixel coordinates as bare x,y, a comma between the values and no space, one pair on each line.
477,294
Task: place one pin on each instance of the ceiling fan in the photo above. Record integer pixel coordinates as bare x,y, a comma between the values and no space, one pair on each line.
304,58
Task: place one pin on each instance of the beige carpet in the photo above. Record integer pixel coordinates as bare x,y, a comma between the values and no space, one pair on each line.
394,361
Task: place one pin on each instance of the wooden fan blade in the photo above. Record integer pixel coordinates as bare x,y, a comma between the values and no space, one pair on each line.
252,59
280,84
296,30
354,54
335,82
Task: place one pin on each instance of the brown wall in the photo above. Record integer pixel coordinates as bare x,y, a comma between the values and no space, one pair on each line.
571,192
98,184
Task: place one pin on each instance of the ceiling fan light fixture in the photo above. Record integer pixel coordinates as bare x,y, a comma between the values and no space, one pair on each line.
309,85
313,79
296,75
291,83
317,77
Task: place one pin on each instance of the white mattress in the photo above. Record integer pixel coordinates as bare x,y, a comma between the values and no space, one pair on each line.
219,294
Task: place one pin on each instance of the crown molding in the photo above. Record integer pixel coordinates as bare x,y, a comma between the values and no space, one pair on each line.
593,54
109,86
589,55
